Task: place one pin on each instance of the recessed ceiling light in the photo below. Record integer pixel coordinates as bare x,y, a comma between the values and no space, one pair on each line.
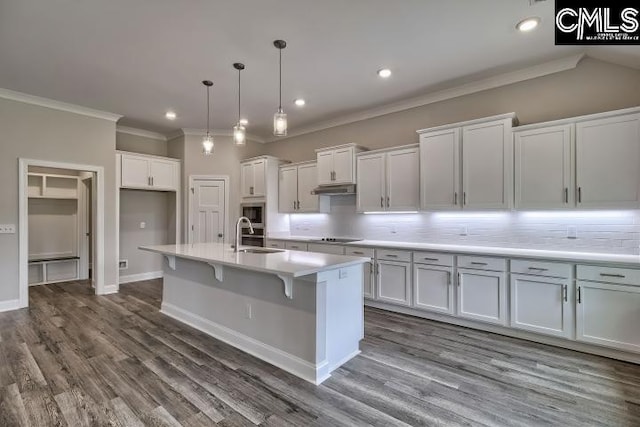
300,102
244,122
384,73
528,24
170,115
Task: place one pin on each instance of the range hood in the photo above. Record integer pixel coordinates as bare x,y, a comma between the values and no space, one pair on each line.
335,190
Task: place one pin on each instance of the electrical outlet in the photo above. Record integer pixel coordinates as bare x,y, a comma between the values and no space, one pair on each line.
248,312
464,231
572,232
123,264
7,229
143,225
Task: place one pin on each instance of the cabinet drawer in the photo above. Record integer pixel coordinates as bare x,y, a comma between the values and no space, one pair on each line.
325,248
482,263
433,258
625,276
366,252
391,255
278,244
295,246
62,270
546,269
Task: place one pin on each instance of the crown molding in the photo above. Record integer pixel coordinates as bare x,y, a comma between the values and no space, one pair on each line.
58,105
540,70
141,132
213,132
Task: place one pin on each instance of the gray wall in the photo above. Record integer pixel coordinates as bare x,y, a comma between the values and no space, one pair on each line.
35,132
140,144
153,208
594,86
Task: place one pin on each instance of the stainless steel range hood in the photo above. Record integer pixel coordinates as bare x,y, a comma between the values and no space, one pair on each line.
335,190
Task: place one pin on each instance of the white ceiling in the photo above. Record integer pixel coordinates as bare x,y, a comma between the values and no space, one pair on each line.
141,58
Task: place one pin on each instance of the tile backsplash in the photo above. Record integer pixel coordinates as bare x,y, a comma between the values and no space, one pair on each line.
616,232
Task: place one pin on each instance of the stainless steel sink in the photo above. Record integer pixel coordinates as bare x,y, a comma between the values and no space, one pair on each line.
260,251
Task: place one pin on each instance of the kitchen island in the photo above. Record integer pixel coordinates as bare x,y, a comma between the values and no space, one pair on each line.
300,311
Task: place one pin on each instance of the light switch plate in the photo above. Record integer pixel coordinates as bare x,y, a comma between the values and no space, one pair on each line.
7,229
143,225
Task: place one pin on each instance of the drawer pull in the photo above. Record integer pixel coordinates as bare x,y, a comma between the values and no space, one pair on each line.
538,269
478,263
431,259
619,276
391,256
358,253
579,295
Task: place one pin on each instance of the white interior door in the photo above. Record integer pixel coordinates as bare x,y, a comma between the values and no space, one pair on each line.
208,211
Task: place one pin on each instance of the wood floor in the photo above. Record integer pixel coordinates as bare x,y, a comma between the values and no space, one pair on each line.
76,359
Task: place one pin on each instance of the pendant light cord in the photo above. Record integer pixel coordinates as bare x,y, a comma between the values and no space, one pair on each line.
239,86
280,106
208,113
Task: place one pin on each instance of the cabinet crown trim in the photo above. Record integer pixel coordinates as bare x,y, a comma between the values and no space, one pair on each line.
147,156
389,149
305,163
505,116
252,159
336,147
578,119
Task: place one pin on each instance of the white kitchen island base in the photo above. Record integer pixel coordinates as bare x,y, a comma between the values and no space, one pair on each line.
309,335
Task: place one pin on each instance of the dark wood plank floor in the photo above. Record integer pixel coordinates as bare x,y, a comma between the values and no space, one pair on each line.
76,359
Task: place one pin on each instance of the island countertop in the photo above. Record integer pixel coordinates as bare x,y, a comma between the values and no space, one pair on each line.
294,263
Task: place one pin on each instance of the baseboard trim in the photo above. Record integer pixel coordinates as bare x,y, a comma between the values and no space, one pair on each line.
140,277
110,289
314,373
10,305
514,333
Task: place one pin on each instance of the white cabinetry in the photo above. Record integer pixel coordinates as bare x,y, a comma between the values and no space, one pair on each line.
482,290
326,248
542,298
608,162
433,282
467,165
607,304
253,177
296,246
369,285
389,180
394,277
544,168
296,183
149,172
337,165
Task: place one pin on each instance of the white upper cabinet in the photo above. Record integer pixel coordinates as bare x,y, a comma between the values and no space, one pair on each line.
337,165
440,169
389,180
487,162
253,178
149,173
608,162
543,168
467,165
296,184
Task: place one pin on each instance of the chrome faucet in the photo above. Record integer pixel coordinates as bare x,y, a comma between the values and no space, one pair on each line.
240,221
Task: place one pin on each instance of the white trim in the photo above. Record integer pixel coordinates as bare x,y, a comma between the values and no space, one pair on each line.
551,67
141,132
314,373
227,190
140,277
58,105
578,119
507,116
214,132
8,305
516,333
23,225
110,289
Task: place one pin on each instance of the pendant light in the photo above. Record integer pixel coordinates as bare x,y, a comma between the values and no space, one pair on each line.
239,131
280,118
207,141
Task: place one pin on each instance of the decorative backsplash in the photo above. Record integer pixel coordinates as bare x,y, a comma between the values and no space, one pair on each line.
616,232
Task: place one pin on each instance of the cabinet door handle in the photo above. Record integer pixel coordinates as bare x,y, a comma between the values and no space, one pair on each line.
565,290
579,295
619,276
298,204
294,205
430,259
357,253
250,190
459,280
455,198
566,195
149,181
538,269
382,202
579,194
388,203
391,256
449,278
478,263
464,198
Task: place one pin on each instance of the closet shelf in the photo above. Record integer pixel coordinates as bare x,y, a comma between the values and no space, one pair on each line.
54,197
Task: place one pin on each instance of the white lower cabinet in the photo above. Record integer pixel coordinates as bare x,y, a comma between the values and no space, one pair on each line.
608,314
433,288
369,280
482,296
296,246
277,244
326,248
542,304
394,282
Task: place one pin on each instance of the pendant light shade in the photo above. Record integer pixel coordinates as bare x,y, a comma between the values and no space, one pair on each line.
239,131
207,141
280,117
